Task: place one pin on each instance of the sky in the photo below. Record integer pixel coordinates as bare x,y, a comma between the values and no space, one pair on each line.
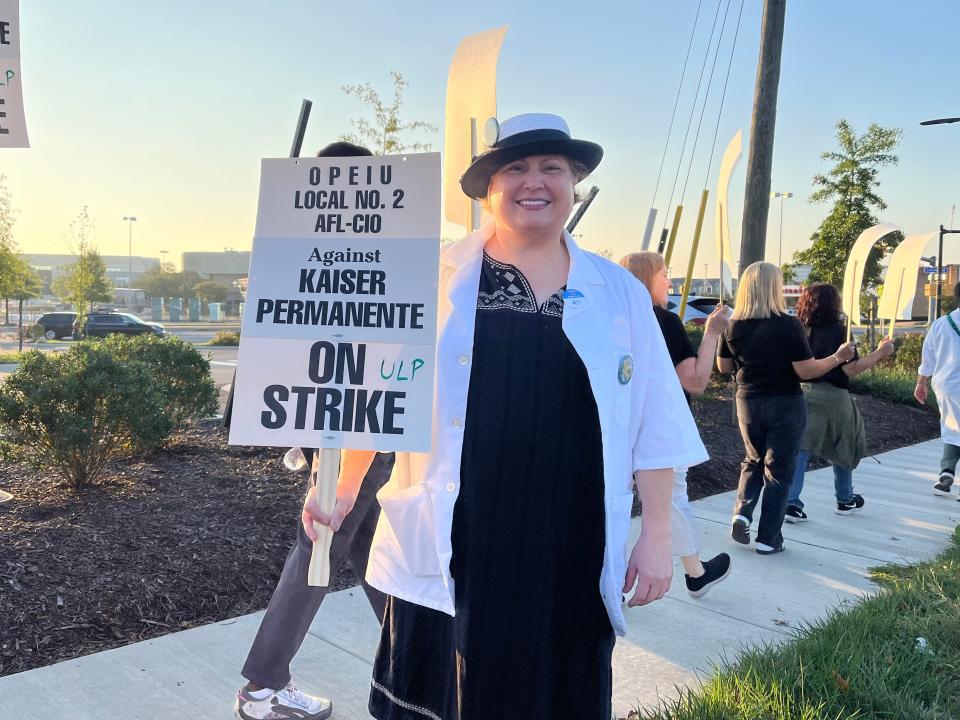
163,110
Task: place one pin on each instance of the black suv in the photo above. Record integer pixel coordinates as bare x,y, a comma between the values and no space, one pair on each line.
57,325
103,323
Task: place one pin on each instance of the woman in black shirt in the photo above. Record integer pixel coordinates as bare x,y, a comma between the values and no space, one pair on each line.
770,353
834,426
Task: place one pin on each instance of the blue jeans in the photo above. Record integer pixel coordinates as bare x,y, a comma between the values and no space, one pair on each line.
842,482
771,428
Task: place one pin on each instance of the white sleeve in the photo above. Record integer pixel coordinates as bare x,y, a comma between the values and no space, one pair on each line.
665,433
928,355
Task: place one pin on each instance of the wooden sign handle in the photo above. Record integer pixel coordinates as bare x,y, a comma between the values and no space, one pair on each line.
326,469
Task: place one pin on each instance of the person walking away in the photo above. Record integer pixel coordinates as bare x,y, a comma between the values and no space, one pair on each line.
768,350
693,369
940,369
835,430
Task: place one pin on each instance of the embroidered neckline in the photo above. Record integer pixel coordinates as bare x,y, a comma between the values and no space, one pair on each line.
512,291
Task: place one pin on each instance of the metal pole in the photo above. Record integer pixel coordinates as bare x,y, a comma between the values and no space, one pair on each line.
648,231
940,266
673,235
584,206
301,128
693,253
780,251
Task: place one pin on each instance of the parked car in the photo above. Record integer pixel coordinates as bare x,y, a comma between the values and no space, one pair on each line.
56,325
101,323
698,307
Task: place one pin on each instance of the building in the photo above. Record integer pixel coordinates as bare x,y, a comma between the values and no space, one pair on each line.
52,266
223,267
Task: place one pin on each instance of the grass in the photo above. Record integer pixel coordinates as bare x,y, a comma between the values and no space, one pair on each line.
896,655
890,383
224,337
9,358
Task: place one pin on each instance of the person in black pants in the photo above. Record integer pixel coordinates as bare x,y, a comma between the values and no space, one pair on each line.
269,692
769,351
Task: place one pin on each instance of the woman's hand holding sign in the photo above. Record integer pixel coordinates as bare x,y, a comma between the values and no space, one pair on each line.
354,465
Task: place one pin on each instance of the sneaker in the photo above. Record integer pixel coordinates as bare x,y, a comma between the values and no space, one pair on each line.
795,515
715,570
764,549
740,530
282,704
942,486
851,507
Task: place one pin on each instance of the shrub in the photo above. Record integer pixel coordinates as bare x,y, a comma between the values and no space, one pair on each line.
225,337
695,333
76,411
188,390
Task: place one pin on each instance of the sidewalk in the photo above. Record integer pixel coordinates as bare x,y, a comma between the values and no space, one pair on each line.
195,673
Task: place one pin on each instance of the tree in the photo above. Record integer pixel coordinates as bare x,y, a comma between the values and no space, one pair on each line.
851,185
27,286
8,249
382,135
210,291
789,273
85,281
161,281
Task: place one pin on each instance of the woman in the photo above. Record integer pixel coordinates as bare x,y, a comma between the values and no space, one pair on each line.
504,548
693,370
769,351
834,426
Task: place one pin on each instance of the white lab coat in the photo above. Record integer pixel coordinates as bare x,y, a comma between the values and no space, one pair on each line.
645,422
941,363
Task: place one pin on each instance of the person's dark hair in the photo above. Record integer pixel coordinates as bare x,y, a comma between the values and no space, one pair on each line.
342,148
819,305
956,292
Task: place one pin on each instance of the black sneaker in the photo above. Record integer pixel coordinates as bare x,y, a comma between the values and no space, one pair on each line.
715,570
764,549
848,508
740,530
942,486
795,515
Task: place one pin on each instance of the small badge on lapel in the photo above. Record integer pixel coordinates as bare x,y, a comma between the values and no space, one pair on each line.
573,298
625,371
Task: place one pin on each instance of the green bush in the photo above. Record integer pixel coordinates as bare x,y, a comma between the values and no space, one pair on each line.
188,390
76,411
695,333
225,337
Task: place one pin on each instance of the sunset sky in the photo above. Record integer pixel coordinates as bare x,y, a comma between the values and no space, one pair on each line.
163,110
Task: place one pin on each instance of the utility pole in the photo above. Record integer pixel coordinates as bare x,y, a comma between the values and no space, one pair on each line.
762,125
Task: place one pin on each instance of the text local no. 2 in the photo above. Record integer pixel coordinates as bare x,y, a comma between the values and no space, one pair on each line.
337,199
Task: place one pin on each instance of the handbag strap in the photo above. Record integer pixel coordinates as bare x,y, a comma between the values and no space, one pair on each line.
953,324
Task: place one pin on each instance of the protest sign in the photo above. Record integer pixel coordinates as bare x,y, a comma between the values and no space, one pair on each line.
339,328
13,125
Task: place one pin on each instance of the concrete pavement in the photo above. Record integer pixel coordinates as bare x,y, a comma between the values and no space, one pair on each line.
195,673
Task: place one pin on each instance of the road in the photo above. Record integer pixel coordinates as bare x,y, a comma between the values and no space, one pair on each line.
223,360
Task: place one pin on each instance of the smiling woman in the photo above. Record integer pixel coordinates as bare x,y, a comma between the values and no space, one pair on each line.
553,388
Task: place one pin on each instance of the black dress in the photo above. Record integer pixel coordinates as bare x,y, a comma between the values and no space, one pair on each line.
531,638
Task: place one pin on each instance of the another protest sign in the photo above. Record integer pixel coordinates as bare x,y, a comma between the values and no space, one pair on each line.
13,125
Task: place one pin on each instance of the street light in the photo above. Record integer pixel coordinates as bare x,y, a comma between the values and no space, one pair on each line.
943,230
783,196
129,220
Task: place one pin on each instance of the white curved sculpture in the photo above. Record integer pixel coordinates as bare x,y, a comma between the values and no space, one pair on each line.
856,263
721,220
900,285
471,93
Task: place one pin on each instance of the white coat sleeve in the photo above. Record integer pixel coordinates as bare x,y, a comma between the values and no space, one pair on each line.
666,435
928,355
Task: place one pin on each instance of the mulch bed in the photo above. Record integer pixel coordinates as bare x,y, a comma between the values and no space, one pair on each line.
197,533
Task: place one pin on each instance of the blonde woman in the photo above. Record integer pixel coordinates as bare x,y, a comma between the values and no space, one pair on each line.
693,370
768,350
